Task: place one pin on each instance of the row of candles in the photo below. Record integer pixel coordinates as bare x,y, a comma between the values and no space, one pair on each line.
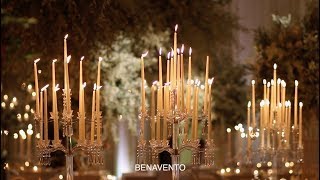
275,111
161,102
42,102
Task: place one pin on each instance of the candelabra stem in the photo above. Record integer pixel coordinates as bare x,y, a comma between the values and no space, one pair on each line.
175,166
69,159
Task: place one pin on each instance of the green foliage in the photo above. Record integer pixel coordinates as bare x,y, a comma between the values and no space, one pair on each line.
296,51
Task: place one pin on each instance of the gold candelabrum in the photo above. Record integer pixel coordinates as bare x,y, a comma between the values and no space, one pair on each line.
92,147
173,114
279,140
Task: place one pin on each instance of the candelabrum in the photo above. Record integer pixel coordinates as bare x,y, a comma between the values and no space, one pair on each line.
148,151
282,150
45,147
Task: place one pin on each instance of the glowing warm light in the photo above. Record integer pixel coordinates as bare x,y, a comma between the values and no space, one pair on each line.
202,87
253,82
81,58
270,171
168,56
268,84
68,58
255,172
15,135
258,165
60,176
66,36
29,126
26,164
182,48
242,130
228,169
300,104
264,81
144,54
287,164
45,87
290,171
269,164
55,60
14,99
228,130
243,135
29,86
33,93
236,128
178,50
160,52
240,125
27,107
35,168
37,60
210,81
262,103
19,116
222,171
237,171
190,51
291,164
296,83
38,135
274,66
3,104
11,105
6,132
22,168
5,97
26,116
84,84
278,81
30,132
249,104
100,58
283,83
176,28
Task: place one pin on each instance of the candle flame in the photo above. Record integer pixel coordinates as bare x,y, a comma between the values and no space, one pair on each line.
210,81
160,52
45,87
81,58
300,104
289,103
84,84
94,86
178,50
283,83
278,81
274,66
190,51
168,55
202,86
66,36
253,82
37,60
191,82
228,130
268,84
100,59
296,83
57,87
55,60
155,83
167,84
286,104
176,28
249,104
262,103
99,87
267,102
280,105
144,54
272,82
264,81
182,48
68,58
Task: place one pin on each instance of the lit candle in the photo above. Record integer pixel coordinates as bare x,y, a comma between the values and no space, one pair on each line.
268,91
166,106
152,115
196,109
168,68
143,94
182,79
274,87
300,125
65,60
93,113
295,110
178,80
283,99
83,113
67,85
45,112
253,105
289,122
160,82
271,104
98,114
209,109
189,83
248,115
171,68
261,123
36,85
81,138
278,90
264,89
55,114
206,87
229,143
29,138
175,54
41,115
22,144
249,127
